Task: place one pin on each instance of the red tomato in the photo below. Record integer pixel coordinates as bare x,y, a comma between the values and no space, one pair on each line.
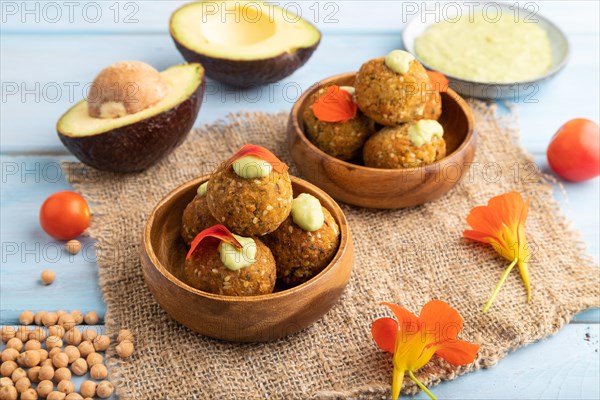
65,215
574,152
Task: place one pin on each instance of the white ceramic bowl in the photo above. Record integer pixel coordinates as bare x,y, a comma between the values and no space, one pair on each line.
491,90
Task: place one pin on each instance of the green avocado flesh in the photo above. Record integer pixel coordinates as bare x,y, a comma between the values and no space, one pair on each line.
241,30
182,80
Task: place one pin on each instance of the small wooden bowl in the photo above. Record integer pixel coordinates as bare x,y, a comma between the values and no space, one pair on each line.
244,318
385,188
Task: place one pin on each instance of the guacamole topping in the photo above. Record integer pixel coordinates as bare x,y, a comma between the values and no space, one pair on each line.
307,212
482,50
399,61
422,132
235,259
250,167
202,189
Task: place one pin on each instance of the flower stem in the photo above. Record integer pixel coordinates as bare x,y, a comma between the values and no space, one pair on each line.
499,285
419,384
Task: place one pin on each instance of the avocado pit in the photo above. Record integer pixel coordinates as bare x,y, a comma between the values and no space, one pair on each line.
124,88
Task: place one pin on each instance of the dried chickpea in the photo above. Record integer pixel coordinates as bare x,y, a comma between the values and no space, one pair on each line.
18,374
54,352
89,335
8,393
7,368
98,371
33,344
86,348
47,276
62,373
74,396
46,373
77,316
79,367
73,336
31,358
91,318
73,246
37,318
60,360
47,361
88,389
34,374
26,318
22,384
38,334
60,313
23,333
10,354
29,394
93,359
53,342
124,334
105,389
6,381
125,349
101,343
14,343
56,395
66,321
43,355
66,386
56,330
8,332
44,388
49,319
72,352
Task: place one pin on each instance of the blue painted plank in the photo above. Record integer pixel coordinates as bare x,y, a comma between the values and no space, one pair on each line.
27,250
364,16
45,93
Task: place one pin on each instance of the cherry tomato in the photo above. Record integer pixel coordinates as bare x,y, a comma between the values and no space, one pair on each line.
65,215
574,152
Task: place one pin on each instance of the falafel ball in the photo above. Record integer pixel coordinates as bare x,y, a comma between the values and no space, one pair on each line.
405,146
196,216
433,105
249,207
302,254
341,140
391,98
205,271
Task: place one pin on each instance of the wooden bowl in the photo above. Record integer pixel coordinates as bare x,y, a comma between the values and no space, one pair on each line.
244,318
385,188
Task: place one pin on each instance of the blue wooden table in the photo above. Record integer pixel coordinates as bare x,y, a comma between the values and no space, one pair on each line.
50,52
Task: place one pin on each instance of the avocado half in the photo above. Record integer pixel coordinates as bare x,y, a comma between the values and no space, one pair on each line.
135,142
243,43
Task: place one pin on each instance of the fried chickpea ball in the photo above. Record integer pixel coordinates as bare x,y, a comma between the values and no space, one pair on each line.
196,216
392,148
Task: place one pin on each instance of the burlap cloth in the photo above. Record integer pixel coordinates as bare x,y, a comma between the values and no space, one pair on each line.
404,256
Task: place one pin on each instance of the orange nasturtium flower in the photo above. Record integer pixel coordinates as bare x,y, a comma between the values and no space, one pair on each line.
336,105
414,340
502,224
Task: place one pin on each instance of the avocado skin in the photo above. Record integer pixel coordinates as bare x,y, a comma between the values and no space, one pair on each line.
248,73
135,147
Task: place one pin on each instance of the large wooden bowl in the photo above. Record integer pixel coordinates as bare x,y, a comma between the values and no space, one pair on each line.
385,188
240,319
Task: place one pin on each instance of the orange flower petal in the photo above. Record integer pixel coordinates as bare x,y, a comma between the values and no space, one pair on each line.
438,81
485,220
336,105
509,207
219,232
406,319
458,352
260,152
440,320
384,332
